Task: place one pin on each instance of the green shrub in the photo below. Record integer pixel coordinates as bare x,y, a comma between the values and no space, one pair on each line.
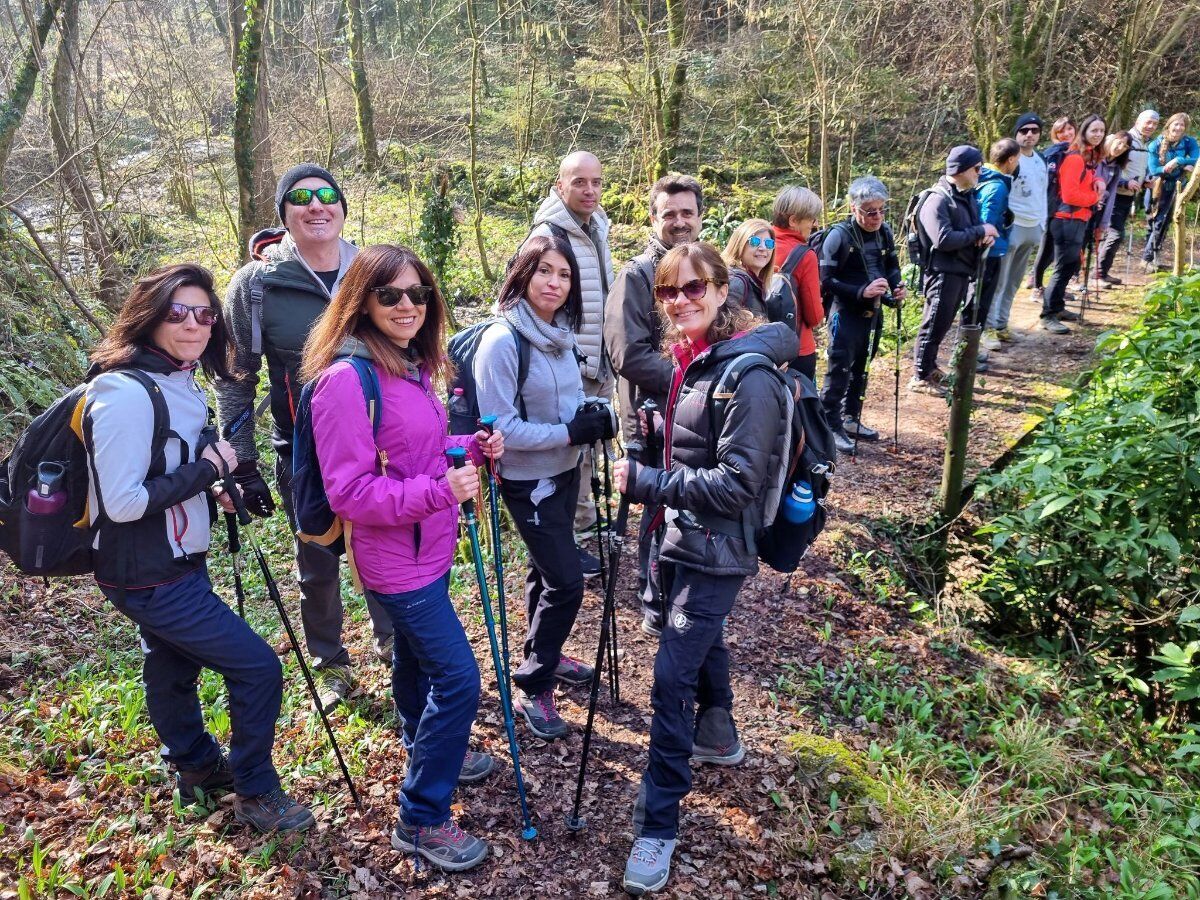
1096,520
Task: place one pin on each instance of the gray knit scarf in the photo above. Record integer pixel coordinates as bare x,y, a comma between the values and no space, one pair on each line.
550,337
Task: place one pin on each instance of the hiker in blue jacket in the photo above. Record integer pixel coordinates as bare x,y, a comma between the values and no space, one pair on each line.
992,193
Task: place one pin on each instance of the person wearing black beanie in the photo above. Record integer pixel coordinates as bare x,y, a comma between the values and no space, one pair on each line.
270,307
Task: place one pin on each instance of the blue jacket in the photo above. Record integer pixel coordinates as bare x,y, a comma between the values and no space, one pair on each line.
1186,150
992,195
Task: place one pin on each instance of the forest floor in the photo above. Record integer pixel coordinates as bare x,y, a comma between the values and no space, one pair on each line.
890,753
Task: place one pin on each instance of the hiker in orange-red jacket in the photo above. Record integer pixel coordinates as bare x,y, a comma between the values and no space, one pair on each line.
1079,190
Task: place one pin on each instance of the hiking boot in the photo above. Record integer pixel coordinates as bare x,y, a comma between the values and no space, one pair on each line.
446,846
571,671
476,767
854,426
991,340
334,684
651,624
1006,336
1036,294
842,441
590,564
272,811
716,739
926,386
383,652
1065,315
213,781
1052,325
1110,280
541,715
649,865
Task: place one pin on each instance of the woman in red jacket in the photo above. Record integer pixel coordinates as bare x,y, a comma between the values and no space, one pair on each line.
795,215
1079,190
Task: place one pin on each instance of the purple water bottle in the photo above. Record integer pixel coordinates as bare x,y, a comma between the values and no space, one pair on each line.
48,497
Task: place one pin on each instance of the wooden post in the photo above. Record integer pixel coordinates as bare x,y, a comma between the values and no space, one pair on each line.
1183,197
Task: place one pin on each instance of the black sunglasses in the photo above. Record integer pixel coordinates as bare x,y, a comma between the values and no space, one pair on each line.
304,196
693,290
205,316
1029,129
388,296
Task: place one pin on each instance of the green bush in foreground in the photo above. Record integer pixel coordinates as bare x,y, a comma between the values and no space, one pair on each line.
1096,520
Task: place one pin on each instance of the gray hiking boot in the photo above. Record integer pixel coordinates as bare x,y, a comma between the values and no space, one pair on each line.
1052,325
213,781
476,767
272,811
541,715
446,846
854,426
716,741
571,671
649,865
652,624
334,684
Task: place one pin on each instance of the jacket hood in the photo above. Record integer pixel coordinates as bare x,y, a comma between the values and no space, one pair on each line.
656,248
774,340
352,346
286,267
554,211
990,174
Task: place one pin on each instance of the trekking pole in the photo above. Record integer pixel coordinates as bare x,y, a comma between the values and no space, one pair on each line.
1087,271
616,541
242,515
488,424
458,458
896,405
614,664
235,551
876,332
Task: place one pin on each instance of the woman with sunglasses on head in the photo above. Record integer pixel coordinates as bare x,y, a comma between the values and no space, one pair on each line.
713,492
545,423
152,466
399,497
750,255
1080,188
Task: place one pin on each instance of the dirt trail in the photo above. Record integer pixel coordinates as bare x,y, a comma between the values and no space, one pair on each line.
727,846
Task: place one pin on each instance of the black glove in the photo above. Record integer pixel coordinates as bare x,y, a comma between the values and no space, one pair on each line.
589,427
255,491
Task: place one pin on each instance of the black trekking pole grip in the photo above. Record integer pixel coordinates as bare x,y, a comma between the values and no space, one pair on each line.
208,437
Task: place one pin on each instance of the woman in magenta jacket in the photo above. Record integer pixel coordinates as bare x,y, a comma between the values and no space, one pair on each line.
399,498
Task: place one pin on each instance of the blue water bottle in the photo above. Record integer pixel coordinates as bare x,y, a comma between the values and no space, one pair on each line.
799,505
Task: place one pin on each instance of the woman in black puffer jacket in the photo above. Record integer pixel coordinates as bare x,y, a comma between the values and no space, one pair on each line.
712,493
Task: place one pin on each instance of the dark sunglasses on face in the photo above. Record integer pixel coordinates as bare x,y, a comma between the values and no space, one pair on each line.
388,296
304,196
693,290
756,241
178,312
1029,129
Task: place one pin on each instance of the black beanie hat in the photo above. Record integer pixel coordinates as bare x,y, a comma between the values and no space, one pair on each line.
299,173
963,157
1028,118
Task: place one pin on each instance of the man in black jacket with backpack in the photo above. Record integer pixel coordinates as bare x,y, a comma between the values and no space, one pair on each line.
952,237
860,272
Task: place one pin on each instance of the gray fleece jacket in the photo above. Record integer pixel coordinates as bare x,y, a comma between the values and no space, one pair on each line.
538,446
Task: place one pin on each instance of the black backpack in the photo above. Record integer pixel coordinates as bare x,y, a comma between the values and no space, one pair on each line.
316,523
463,400
50,459
808,451
780,297
1053,157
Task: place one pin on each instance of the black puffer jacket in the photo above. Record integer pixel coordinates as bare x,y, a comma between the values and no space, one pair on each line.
747,455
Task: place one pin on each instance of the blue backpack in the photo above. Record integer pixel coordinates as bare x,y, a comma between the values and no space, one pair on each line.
316,523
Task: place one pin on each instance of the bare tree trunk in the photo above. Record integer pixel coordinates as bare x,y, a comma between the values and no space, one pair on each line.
362,94
12,109
1137,57
251,143
70,166
676,77
472,123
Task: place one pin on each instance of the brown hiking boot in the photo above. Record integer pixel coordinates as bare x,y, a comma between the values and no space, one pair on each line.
214,781
272,811
334,684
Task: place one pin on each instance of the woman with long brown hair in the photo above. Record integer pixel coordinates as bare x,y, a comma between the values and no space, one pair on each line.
401,498
713,492
152,465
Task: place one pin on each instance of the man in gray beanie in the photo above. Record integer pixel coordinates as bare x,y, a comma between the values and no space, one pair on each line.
952,235
270,306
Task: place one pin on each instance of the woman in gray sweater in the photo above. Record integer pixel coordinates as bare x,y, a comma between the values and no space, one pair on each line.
544,428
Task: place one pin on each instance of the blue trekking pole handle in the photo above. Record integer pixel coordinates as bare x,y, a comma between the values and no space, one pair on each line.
458,459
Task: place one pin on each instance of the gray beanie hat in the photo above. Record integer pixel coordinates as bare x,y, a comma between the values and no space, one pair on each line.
299,173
